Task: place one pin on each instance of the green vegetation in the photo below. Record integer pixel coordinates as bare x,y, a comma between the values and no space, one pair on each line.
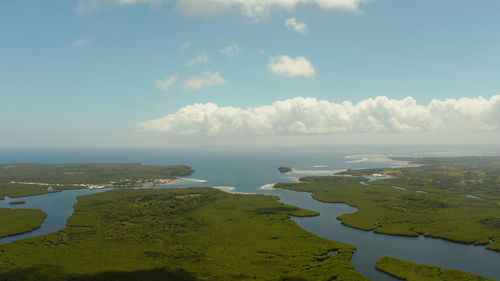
479,176
14,190
19,221
448,214
19,180
409,271
20,202
178,234
285,169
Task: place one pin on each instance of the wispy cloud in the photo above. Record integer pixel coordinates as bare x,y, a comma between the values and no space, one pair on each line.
92,6
167,82
299,116
83,41
258,9
208,79
201,58
184,46
231,51
255,9
291,67
295,25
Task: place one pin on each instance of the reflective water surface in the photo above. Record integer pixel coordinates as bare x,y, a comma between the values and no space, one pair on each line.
248,171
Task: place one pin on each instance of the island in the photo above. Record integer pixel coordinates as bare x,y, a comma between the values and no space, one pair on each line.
457,199
410,271
19,221
284,169
20,202
179,234
19,180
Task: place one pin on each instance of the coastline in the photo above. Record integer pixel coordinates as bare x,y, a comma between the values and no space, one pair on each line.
316,172
268,187
139,183
358,158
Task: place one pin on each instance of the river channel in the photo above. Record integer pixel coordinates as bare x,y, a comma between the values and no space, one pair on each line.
248,172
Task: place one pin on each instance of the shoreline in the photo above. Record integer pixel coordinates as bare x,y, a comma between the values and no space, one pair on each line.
20,233
139,183
359,158
316,172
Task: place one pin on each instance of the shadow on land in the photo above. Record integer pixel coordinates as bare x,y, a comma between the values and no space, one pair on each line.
158,274
52,274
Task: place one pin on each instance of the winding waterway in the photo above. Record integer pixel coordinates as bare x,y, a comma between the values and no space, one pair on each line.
247,172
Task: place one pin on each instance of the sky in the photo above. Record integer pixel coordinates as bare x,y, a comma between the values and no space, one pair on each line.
193,73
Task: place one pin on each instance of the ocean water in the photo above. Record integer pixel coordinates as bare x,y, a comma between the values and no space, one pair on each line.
247,171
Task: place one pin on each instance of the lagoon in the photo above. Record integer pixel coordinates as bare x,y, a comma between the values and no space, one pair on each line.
248,171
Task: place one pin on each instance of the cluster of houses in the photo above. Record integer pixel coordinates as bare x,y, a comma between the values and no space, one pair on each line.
122,183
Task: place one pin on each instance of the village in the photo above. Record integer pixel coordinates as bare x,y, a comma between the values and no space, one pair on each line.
121,183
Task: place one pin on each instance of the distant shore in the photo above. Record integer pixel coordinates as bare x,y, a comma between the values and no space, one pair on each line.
374,158
317,172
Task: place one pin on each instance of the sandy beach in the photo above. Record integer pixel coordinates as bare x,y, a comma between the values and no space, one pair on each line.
374,158
317,172
268,186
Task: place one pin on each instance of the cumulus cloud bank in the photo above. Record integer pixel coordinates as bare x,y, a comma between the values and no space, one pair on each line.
291,67
256,9
300,116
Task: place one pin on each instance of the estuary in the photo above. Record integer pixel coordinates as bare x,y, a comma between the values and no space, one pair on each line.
247,172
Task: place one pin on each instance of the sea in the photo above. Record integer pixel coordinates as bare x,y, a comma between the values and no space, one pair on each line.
252,171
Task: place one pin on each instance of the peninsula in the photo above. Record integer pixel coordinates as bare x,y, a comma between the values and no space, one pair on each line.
19,180
19,221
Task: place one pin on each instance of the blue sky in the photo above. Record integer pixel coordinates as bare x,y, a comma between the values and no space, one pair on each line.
92,72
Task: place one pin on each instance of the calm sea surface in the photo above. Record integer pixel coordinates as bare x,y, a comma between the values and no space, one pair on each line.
249,170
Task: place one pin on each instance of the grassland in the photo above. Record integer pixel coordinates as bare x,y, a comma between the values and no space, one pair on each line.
19,221
19,180
441,212
409,271
178,234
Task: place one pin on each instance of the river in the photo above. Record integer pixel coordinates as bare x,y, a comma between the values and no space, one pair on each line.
247,171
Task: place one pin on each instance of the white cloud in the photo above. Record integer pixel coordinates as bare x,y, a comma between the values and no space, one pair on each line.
201,58
184,46
256,9
165,84
91,6
259,9
295,25
84,41
207,80
291,67
351,5
231,51
299,116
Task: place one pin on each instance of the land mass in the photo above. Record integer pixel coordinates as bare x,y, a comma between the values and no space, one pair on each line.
19,180
283,169
20,202
179,234
450,198
19,221
410,271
